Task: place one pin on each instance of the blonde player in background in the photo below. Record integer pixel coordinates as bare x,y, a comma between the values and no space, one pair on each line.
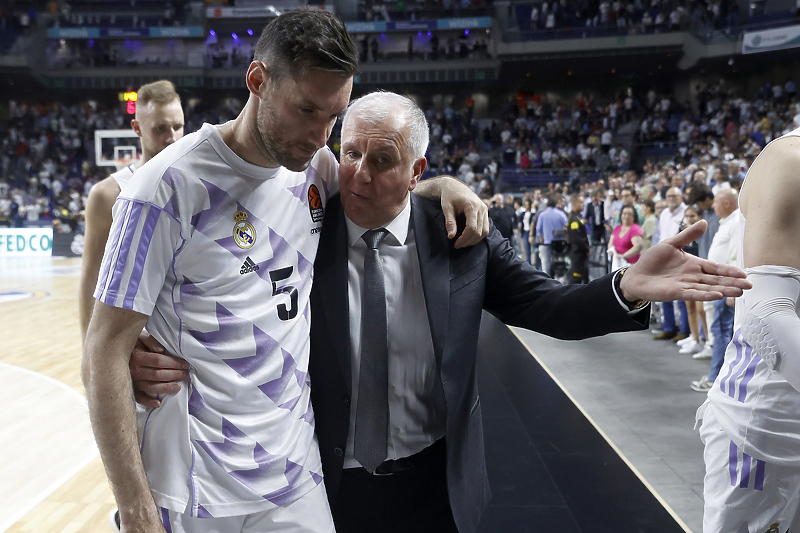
159,123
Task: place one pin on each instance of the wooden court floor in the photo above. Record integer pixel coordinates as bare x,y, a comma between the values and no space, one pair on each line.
51,479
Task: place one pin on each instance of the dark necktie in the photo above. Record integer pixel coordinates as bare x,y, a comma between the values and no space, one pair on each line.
372,412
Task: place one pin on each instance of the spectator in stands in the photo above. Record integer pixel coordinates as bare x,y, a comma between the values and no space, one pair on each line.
694,310
551,219
503,217
525,217
578,240
649,223
668,226
625,245
724,249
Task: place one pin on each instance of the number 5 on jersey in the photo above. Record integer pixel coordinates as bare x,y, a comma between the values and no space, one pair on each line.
279,275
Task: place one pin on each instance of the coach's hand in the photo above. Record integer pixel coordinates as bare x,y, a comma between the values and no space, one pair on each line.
155,372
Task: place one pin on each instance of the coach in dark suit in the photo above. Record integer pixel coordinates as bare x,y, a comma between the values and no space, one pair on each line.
430,476
434,476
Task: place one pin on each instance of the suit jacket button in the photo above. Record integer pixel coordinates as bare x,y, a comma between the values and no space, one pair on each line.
338,452
347,401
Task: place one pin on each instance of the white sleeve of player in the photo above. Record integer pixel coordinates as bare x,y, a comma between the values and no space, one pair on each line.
142,245
769,318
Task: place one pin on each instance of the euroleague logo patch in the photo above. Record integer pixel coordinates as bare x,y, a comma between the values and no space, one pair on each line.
315,203
244,234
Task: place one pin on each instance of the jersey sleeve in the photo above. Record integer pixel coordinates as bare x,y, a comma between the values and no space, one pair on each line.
142,245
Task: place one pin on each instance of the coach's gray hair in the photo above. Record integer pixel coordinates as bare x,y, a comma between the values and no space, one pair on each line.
380,106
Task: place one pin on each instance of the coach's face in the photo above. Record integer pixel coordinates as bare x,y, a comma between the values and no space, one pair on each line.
296,114
376,171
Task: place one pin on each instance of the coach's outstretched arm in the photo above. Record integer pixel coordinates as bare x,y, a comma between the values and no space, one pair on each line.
110,338
665,273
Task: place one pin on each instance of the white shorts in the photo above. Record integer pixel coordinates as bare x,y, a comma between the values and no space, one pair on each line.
743,494
309,514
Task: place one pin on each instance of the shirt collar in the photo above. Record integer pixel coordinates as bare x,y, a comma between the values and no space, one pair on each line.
397,228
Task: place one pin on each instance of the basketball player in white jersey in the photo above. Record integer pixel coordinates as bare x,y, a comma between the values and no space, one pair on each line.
212,248
158,123
751,419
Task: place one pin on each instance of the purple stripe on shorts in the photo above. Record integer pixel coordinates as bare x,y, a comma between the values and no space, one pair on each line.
132,219
730,378
732,460
165,520
141,256
745,481
760,466
114,239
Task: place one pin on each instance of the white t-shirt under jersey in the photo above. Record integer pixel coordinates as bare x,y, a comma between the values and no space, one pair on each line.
755,406
219,254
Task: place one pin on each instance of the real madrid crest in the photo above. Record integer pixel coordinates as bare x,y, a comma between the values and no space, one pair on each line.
244,234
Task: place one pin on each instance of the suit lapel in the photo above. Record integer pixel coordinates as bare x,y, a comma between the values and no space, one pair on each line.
433,250
331,277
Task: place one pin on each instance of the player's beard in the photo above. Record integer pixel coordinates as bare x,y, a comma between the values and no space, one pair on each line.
276,142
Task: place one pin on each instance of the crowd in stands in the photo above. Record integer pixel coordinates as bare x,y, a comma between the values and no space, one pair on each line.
370,10
721,117
629,16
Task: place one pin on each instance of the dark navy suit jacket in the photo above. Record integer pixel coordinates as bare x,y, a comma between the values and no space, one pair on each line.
458,285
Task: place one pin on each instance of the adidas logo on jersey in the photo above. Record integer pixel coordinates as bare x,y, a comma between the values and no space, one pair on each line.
248,266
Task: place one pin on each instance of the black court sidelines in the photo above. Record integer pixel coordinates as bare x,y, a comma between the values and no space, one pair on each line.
550,469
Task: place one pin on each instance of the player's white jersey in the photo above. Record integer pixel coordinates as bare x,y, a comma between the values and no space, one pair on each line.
219,254
123,175
755,406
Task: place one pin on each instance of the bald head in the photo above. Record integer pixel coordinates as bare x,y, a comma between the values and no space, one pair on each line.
725,202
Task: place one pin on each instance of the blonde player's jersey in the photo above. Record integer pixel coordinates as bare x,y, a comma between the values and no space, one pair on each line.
756,407
219,254
123,176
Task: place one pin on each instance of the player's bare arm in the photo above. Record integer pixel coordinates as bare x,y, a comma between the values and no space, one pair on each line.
456,199
770,203
110,338
98,224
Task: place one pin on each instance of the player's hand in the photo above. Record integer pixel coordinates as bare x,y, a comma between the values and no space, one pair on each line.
155,372
458,199
665,273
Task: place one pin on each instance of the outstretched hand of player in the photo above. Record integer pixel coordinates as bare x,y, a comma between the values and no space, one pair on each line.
665,273
155,372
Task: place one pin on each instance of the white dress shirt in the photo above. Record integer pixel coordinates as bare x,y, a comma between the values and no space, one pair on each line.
669,224
417,413
723,246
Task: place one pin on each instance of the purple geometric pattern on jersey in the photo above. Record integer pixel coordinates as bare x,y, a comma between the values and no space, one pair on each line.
316,477
231,329
207,220
197,404
146,235
237,444
275,388
202,512
177,182
309,416
299,192
311,177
